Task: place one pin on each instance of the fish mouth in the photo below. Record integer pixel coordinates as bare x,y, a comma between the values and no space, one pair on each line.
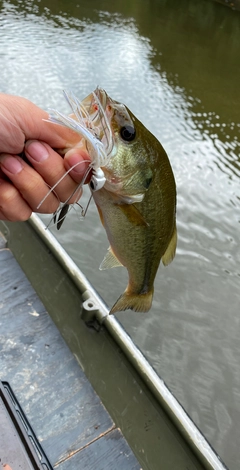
102,96
98,113
95,105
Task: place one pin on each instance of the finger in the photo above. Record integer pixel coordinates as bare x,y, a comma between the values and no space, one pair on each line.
12,205
51,166
22,120
74,159
29,184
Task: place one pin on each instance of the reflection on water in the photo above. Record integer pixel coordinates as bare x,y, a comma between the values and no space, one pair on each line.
176,65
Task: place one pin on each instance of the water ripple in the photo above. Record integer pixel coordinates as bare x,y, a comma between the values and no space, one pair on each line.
192,333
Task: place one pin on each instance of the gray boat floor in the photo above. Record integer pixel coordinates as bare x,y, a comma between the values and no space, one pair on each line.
70,422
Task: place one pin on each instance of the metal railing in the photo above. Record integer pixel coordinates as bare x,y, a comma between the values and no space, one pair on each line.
94,307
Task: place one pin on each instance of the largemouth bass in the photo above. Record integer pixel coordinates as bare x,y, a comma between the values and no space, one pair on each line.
136,200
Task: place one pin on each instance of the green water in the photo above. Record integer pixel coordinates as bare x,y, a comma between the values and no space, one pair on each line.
176,65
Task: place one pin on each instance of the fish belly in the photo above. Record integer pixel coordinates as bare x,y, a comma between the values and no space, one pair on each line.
137,243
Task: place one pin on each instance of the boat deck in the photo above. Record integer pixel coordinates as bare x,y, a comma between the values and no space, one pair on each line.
70,422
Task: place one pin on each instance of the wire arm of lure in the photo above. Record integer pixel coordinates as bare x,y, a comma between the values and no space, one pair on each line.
62,177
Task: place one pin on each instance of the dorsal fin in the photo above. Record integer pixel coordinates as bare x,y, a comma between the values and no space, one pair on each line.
109,261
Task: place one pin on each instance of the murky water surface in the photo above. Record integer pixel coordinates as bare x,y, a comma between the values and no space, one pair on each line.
177,67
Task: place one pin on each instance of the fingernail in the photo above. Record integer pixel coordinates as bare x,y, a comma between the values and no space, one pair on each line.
36,150
11,164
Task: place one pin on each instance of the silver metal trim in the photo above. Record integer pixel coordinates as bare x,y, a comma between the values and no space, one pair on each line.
194,437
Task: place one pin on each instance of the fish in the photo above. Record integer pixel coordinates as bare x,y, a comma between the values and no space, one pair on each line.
136,199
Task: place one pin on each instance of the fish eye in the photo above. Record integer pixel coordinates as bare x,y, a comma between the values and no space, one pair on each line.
128,133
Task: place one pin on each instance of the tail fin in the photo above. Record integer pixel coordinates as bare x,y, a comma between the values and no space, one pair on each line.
136,302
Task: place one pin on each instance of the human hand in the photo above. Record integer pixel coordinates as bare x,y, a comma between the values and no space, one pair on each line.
23,186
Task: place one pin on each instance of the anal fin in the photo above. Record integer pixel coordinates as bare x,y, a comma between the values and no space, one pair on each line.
109,261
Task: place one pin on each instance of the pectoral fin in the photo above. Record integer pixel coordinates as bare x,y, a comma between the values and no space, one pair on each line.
133,214
109,261
171,249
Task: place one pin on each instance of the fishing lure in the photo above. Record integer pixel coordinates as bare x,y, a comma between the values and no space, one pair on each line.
99,144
